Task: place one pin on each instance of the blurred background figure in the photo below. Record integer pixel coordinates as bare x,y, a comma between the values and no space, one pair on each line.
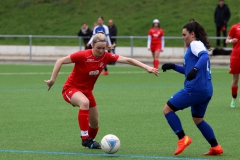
221,16
234,38
85,32
192,20
155,41
103,28
112,32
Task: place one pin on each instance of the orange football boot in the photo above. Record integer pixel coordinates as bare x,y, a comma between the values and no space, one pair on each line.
214,151
182,144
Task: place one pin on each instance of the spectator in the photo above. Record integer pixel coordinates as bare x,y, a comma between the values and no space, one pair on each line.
104,29
112,32
221,16
85,32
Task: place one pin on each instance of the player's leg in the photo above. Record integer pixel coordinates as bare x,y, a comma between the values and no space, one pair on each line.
178,101
156,58
234,70
234,89
93,125
79,99
93,116
198,112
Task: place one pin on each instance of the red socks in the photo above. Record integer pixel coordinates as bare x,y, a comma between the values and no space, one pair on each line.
234,91
92,132
83,121
155,63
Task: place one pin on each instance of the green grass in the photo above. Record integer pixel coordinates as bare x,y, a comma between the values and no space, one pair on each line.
130,106
132,17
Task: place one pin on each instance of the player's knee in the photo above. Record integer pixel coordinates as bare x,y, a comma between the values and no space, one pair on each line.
197,120
84,104
166,109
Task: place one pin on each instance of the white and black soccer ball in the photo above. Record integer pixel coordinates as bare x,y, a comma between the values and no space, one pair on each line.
110,144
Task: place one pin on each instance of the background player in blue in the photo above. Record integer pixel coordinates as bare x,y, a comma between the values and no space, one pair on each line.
104,29
197,91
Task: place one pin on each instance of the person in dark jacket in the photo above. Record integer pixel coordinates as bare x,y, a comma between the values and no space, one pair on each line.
85,32
112,32
221,16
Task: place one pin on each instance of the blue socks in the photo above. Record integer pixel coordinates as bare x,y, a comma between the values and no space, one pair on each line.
175,124
208,133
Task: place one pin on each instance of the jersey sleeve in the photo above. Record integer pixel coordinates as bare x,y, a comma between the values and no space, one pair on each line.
76,57
149,32
106,30
162,33
112,57
197,47
232,32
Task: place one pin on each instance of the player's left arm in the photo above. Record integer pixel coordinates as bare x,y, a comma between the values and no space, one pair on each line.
199,51
163,41
137,63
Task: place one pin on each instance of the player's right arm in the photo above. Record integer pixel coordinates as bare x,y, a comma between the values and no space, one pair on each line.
149,39
56,69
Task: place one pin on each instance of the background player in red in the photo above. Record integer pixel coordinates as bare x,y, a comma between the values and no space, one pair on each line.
77,90
155,41
234,38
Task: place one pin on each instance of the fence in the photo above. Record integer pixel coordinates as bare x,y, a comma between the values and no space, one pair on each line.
31,37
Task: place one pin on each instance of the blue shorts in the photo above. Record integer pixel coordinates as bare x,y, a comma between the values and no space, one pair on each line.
183,99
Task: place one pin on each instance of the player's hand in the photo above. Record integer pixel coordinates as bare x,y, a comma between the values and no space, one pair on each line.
152,70
149,49
161,51
88,45
192,74
234,40
49,83
167,66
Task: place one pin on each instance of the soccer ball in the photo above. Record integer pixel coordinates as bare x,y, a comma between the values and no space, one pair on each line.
110,144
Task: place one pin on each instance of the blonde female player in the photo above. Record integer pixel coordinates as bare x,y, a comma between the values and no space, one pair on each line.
77,90
155,41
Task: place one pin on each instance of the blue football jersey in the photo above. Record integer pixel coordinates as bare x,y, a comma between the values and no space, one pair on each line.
201,85
102,28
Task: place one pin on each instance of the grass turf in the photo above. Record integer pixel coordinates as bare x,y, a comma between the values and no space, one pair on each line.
36,124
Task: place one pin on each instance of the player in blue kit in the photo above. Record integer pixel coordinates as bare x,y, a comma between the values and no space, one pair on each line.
101,28
197,91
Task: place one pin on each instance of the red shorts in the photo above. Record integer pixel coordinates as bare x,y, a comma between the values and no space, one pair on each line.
67,94
155,47
234,66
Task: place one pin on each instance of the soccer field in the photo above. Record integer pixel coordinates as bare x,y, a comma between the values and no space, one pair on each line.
37,124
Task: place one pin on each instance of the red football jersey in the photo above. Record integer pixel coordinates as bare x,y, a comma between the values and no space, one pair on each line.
87,68
235,33
156,35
